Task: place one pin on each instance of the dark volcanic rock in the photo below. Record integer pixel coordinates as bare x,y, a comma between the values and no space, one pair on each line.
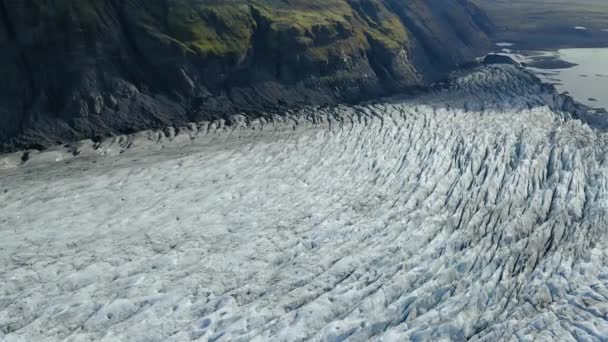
549,63
499,59
78,69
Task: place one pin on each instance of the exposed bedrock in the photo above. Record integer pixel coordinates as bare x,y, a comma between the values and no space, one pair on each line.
478,217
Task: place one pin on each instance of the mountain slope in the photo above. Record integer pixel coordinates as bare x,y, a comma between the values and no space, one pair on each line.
86,68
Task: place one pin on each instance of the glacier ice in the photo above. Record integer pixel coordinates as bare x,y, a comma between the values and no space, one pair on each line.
476,211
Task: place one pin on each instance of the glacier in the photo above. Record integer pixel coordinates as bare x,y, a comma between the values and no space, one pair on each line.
474,211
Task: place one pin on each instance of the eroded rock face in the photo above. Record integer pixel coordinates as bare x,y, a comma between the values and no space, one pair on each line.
475,212
168,62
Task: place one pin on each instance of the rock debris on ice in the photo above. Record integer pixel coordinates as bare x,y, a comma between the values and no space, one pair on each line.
476,211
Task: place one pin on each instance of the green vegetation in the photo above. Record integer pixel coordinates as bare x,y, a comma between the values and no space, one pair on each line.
322,29
216,29
335,27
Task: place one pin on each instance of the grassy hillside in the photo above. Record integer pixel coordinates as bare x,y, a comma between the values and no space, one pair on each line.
221,27
322,27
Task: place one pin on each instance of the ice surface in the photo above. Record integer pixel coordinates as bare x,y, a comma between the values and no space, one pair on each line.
477,211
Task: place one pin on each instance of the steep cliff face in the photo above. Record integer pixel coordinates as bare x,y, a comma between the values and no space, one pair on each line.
72,69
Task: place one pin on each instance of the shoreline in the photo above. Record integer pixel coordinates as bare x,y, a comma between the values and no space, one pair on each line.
576,71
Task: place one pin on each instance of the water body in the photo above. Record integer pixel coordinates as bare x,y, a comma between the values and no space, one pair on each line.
587,79
583,73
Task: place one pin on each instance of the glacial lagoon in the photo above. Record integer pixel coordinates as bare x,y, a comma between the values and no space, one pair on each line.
581,72
587,80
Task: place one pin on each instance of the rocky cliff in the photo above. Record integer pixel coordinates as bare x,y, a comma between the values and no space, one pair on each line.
74,69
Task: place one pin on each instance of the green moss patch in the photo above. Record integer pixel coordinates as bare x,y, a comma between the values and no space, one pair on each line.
321,29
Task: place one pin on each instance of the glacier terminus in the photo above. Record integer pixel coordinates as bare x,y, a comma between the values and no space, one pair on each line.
475,211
